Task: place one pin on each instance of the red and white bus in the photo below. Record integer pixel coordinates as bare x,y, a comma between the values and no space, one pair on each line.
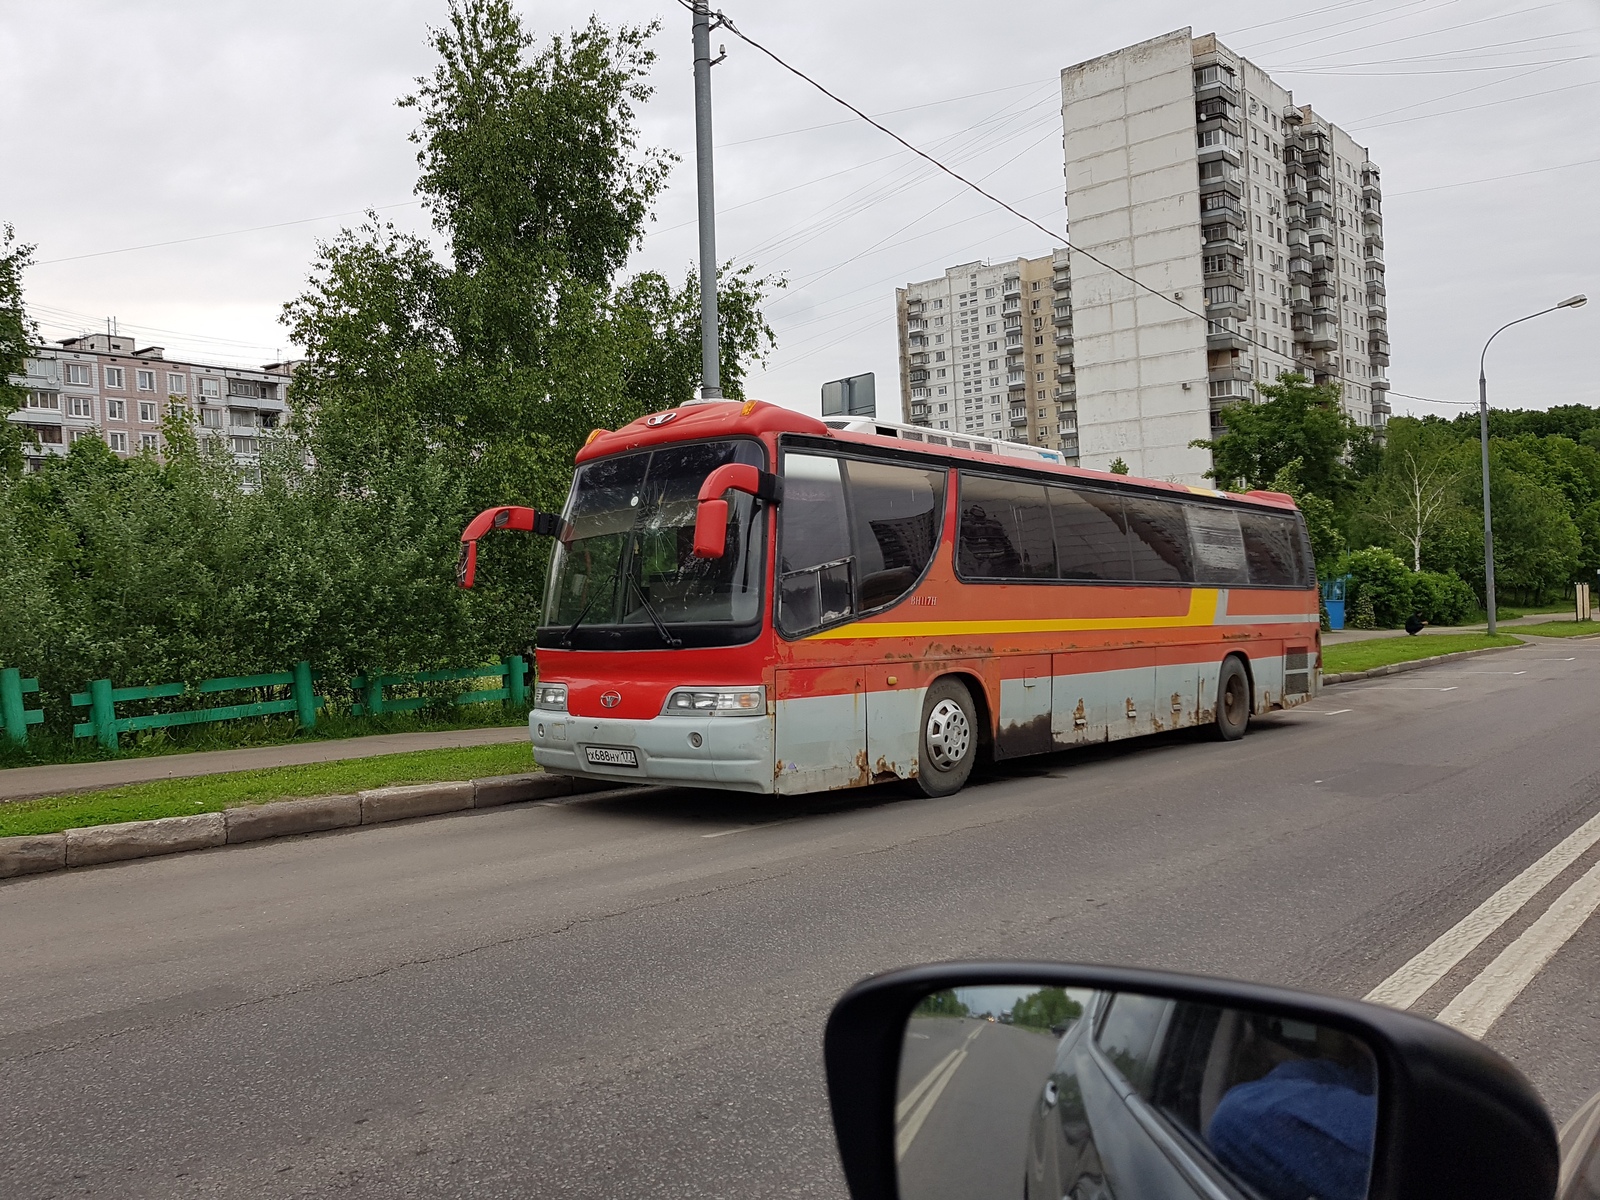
741,596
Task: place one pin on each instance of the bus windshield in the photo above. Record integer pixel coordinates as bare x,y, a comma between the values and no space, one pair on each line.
624,568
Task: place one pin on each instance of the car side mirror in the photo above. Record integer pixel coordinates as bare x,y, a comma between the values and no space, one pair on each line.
1052,1080
711,511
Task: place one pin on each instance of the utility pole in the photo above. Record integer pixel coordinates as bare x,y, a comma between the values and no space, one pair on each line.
1483,443
710,342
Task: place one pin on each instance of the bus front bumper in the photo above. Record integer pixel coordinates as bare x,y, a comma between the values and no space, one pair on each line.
705,751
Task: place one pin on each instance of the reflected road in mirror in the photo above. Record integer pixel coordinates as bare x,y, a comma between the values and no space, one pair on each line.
1040,1092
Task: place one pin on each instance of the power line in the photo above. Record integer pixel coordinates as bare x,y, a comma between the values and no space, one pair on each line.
888,113
1431,400
1412,37
1488,104
227,233
1050,233
1494,178
1553,62
1543,37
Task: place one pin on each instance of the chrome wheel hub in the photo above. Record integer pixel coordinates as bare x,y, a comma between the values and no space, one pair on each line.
948,735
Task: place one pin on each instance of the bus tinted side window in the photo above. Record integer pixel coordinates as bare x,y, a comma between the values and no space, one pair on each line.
1005,530
1160,538
816,572
1270,547
1091,535
1218,549
894,513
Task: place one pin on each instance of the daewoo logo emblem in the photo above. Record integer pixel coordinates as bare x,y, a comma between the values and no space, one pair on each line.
611,699
659,419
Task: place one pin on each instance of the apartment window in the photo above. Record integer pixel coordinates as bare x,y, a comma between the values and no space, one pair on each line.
176,384
118,442
1039,340
149,441
116,410
938,356
244,445
938,303
147,412
211,387
115,377
74,436
80,406
80,373
988,294
44,400
145,381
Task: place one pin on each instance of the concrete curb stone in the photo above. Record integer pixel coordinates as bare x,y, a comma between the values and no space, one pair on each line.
414,800
517,789
1413,665
141,839
253,822
31,853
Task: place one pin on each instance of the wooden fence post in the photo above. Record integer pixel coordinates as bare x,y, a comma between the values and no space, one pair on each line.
103,713
517,678
305,696
374,693
12,719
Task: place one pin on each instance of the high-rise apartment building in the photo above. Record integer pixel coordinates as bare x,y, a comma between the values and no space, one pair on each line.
100,385
986,349
1257,221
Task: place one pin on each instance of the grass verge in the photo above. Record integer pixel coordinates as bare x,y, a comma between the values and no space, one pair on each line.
1382,652
211,793
46,747
1563,628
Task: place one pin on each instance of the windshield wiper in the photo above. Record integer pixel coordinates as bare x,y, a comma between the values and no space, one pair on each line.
566,638
655,617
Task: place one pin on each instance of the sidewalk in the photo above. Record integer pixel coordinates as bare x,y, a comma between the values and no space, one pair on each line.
21,783
1334,637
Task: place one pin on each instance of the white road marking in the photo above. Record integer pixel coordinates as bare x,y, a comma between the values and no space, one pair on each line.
1404,688
1337,711
919,1102
748,828
1406,986
1482,1001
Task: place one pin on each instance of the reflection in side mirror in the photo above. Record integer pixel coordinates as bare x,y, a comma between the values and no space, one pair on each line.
1049,1092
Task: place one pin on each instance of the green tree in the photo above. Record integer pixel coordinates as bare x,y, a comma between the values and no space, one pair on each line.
1045,1009
16,335
1295,420
1327,543
1380,580
942,1004
1417,486
1118,466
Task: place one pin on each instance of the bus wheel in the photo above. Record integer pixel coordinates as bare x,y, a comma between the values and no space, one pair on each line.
949,743
1233,700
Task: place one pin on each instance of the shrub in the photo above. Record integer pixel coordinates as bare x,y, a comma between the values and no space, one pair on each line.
1443,598
1382,581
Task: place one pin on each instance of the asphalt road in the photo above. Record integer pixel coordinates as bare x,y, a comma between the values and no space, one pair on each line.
625,996
963,1132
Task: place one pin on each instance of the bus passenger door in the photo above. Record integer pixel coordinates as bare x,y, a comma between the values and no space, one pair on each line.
1102,695
821,730
1026,724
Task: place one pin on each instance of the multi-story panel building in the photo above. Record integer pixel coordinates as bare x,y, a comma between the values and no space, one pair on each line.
1257,221
986,349
100,385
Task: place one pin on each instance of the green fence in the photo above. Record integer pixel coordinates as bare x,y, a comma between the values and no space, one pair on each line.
513,669
303,700
14,718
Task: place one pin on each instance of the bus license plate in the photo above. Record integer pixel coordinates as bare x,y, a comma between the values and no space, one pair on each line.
608,756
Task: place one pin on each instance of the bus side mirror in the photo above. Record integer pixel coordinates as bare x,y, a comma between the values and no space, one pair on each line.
711,514
507,516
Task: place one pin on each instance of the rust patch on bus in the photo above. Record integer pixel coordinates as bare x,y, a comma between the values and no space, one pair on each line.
1025,737
1080,718
884,771
863,774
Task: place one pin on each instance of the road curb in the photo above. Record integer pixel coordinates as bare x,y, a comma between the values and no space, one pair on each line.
91,845
1414,664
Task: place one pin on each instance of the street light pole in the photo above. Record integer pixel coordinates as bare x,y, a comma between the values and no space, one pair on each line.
1483,444
710,349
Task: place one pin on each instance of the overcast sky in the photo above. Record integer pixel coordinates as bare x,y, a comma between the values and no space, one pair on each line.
126,124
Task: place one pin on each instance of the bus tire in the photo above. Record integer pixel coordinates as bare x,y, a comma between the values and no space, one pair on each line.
1233,700
948,742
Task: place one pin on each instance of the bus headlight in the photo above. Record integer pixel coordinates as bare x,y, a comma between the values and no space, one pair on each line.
729,701
552,697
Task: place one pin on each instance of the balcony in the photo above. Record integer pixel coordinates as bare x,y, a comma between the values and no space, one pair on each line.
1375,307
1011,286
1375,288
1221,239
1019,416
1238,371
1374,250
1062,282
1294,189
1064,354
1218,85
1210,216
919,376
1017,379
1379,385
1378,351
1226,339
919,359
1013,341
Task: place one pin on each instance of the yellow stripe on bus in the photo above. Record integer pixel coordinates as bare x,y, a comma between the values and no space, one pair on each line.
1202,611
